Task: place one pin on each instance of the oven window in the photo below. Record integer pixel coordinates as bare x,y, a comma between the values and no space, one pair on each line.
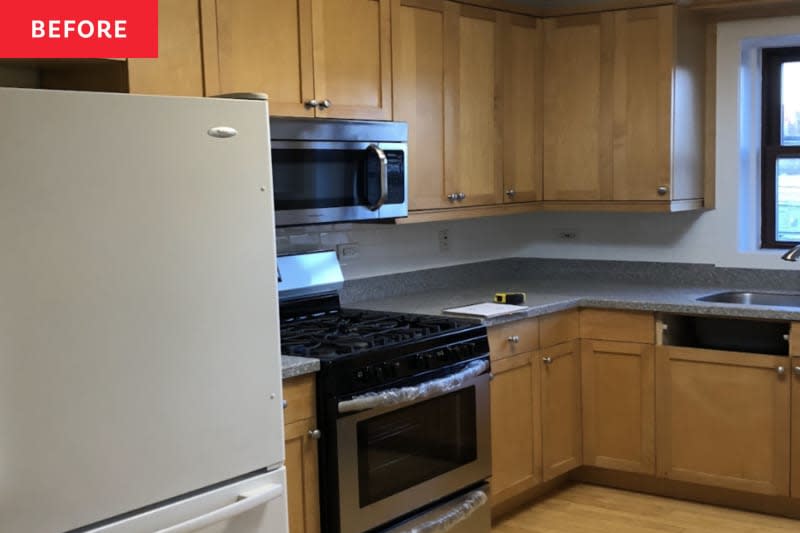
313,179
406,447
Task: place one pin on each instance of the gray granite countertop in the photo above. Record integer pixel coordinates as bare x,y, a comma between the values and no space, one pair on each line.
544,297
555,285
293,367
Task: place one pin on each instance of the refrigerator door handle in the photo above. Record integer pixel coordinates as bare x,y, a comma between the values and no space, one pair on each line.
245,501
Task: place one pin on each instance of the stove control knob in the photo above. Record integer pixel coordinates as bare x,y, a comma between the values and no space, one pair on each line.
379,373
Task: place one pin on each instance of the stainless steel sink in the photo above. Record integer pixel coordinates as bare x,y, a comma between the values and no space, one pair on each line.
782,299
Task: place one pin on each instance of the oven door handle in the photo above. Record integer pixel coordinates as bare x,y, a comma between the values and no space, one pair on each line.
423,391
384,177
459,511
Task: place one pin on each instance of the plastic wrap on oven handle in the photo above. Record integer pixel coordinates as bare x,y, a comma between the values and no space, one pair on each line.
460,511
422,391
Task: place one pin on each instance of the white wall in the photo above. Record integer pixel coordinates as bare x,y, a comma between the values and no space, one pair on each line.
726,236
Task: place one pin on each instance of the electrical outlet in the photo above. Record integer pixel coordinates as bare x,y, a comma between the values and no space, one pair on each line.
444,240
566,234
347,251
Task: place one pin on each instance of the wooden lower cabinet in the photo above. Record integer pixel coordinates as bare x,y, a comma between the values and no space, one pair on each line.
561,408
516,429
795,489
618,395
723,419
302,467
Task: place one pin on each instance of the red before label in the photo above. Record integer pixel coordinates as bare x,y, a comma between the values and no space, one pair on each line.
79,28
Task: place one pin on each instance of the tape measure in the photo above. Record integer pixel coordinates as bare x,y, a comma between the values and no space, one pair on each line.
511,298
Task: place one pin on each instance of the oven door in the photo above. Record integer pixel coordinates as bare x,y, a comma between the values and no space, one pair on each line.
395,459
326,182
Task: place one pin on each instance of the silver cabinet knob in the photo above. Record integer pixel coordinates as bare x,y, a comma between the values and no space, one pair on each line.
285,404
315,434
796,370
511,193
325,104
547,360
514,339
786,337
780,370
452,197
311,104
663,190
462,195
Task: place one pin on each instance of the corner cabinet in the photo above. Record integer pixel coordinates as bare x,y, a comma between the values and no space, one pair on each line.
723,419
302,470
624,110
325,58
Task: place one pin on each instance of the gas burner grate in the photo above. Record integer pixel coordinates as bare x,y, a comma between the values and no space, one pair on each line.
349,332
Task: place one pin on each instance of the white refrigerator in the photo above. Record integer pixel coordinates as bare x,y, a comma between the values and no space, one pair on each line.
140,380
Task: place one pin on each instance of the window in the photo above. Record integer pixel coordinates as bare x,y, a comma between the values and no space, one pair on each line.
780,148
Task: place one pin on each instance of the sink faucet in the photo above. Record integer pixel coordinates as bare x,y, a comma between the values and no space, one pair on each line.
792,255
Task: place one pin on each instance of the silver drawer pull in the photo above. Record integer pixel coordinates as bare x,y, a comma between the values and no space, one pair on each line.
514,339
315,434
547,360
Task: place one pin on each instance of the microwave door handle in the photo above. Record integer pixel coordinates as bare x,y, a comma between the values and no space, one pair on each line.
384,176
423,391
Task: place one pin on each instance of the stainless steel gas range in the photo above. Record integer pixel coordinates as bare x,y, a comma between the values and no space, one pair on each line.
402,405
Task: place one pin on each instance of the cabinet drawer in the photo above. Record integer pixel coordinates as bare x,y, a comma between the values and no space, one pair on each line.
558,328
514,338
624,326
300,396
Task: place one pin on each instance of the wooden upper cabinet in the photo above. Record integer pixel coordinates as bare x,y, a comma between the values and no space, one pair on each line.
352,58
178,70
302,51
472,70
522,108
418,95
722,419
577,107
260,46
658,104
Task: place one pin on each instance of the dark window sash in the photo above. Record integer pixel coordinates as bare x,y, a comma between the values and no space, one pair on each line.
771,147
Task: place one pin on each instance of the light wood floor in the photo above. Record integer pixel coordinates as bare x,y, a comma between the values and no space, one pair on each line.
588,508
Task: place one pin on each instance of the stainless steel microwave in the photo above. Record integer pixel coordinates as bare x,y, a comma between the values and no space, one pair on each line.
326,170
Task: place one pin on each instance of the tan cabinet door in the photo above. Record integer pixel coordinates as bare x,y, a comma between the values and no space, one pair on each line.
178,70
578,107
561,409
618,405
472,69
260,46
643,63
516,429
302,477
722,419
418,95
796,427
522,108
352,59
